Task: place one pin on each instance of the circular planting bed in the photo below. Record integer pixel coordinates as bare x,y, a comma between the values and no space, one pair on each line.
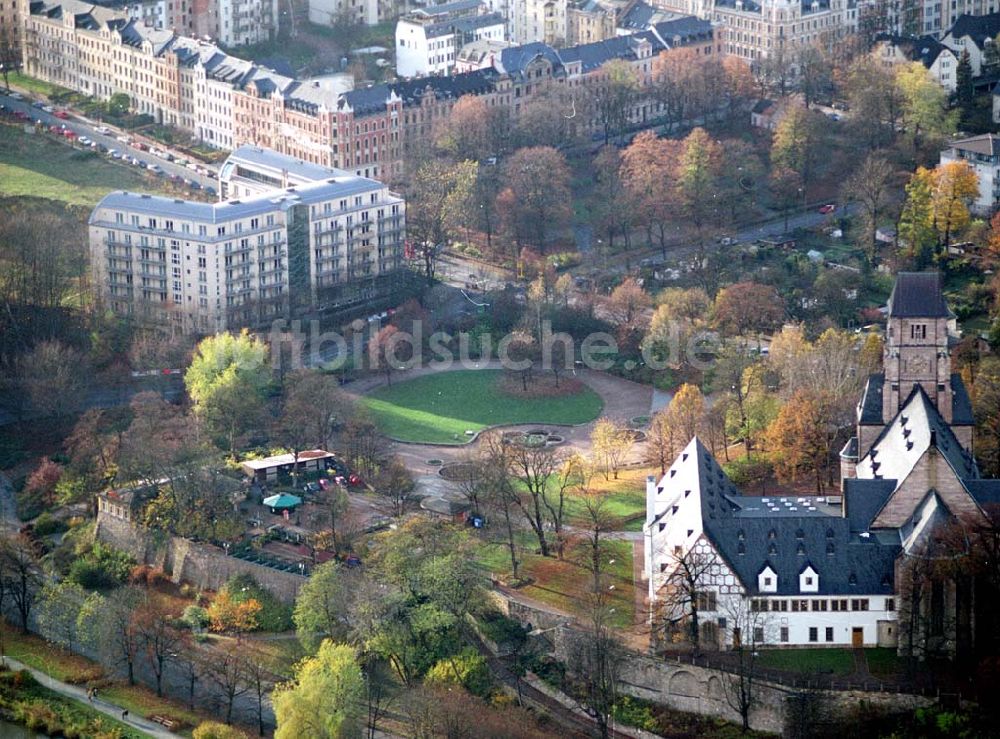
639,421
442,408
435,462
533,439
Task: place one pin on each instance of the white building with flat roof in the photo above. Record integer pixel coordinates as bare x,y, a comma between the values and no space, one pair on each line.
208,267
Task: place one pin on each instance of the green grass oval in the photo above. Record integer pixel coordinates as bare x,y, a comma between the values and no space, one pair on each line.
434,408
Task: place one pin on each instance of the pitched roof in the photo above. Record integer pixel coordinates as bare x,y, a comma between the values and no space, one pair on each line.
917,427
750,533
987,144
923,49
918,295
870,405
977,27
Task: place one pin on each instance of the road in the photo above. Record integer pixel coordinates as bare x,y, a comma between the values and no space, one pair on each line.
84,127
80,695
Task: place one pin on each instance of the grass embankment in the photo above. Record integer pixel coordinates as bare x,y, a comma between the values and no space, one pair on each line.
829,661
565,584
76,670
34,165
440,408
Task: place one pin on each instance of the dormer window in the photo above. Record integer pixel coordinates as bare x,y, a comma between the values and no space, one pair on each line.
918,330
772,535
853,579
772,549
829,533
800,534
740,535
830,549
741,549
800,550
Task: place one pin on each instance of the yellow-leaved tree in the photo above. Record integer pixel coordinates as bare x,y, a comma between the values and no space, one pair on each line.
324,699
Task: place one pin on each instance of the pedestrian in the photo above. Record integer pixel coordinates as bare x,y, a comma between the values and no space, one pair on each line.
125,715
90,694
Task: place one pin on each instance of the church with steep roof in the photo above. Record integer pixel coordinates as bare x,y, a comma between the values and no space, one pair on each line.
835,570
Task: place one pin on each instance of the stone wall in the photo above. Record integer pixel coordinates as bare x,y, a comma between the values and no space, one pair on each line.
201,565
700,690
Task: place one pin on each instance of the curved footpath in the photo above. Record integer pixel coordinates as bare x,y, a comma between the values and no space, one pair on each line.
80,695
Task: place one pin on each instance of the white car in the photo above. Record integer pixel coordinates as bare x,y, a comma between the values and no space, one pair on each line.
84,140
103,129
48,109
155,169
114,154
16,96
123,139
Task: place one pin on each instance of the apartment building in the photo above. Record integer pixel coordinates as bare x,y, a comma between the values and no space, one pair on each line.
428,40
543,21
246,21
940,61
982,153
207,267
331,12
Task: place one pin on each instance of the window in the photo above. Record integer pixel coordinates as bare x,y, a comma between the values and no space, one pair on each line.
783,635
829,633
890,604
819,605
767,581
859,604
705,600
813,634
918,331
758,634
795,606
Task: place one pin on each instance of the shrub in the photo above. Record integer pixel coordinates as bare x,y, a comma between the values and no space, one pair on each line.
215,730
634,712
195,617
467,668
101,567
273,615
47,524
500,629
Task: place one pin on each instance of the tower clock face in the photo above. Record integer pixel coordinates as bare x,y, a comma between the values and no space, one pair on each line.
918,364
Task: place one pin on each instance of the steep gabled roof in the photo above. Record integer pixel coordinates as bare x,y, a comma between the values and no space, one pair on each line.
918,295
987,144
751,532
916,427
977,27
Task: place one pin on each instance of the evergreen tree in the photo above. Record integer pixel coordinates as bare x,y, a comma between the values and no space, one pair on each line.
965,95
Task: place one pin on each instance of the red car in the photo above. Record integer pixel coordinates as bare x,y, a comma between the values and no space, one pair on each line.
828,208
61,114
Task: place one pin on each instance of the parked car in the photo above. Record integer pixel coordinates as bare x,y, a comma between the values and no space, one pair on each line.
21,115
311,487
142,147
16,96
62,114
38,104
114,154
827,209
48,109
194,186
123,139
155,169
68,133
210,190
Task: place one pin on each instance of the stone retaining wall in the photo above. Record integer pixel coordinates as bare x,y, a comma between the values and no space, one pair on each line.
202,565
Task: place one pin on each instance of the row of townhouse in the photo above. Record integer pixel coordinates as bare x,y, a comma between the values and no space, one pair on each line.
226,102
292,238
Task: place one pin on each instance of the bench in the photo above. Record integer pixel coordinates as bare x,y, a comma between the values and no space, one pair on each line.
163,721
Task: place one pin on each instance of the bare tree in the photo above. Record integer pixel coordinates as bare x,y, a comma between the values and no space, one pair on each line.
22,575
158,638
229,673
497,493
595,659
533,467
260,680
394,483
686,592
750,631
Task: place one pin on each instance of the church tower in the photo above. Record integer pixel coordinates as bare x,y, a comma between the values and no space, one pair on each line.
918,331
916,345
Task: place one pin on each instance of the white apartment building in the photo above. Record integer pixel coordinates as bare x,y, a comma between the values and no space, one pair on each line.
251,171
247,21
207,267
428,40
542,21
329,12
982,153
938,59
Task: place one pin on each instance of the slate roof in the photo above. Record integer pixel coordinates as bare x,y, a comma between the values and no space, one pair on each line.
683,30
464,24
918,295
987,144
986,492
845,561
870,406
863,499
916,427
961,406
516,59
977,27
923,49
638,16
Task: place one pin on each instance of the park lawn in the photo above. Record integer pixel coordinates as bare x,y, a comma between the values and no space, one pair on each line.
38,166
625,498
74,713
884,662
440,408
564,584
835,661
